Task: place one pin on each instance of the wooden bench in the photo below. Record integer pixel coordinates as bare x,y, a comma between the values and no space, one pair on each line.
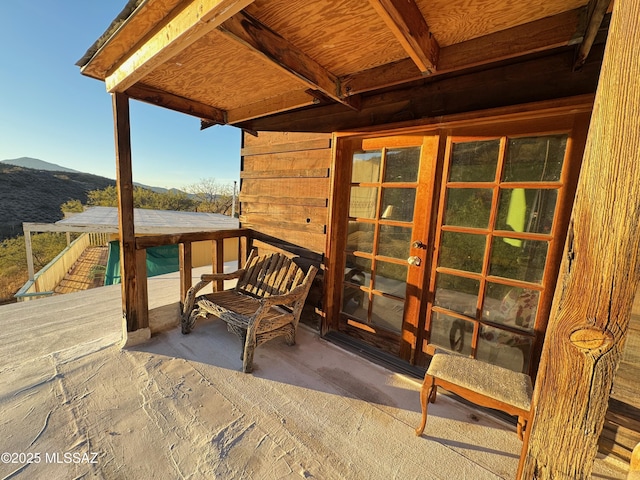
480,383
265,303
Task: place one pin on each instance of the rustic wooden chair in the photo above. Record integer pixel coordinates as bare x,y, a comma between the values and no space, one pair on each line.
265,303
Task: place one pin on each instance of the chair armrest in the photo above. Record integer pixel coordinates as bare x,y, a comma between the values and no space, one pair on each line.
212,277
190,297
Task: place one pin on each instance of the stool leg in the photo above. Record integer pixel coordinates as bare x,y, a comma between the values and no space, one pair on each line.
427,392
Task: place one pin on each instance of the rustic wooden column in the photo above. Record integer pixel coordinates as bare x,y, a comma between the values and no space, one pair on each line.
132,318
599,272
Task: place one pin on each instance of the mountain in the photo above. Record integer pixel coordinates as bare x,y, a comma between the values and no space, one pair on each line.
36,164
29,195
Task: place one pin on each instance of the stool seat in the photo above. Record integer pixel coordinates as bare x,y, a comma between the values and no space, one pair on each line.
500,383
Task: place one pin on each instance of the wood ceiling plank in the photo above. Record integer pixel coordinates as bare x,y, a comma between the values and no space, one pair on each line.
179,31
269,106
279,51
405,20
551,32
162,98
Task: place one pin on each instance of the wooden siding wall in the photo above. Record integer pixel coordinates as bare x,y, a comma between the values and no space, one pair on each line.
284,187
285,183
621,430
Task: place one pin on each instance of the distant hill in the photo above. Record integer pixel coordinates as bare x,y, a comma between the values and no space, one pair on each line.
30,195
36,164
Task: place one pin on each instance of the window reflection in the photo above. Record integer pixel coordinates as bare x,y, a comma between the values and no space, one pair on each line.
526,210
451,333
535,159
366,167
458,294
387,313
468,207
506,349
402,164
474,161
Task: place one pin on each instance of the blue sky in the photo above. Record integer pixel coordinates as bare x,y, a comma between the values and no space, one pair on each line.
49,111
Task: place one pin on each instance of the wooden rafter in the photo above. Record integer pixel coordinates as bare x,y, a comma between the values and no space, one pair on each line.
551,32
161,98
596,11
405,20
176,33
281,53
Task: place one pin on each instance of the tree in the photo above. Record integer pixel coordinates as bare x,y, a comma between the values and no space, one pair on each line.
212,196
72,206
143,198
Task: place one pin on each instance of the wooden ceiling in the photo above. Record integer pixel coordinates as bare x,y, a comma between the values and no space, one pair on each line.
235,61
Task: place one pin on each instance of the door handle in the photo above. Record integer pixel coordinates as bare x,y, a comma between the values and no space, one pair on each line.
414,260
418,244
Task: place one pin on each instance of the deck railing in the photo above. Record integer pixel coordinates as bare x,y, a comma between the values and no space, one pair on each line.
245,243
46,280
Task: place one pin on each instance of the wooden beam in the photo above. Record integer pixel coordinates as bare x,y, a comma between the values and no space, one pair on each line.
180,30
601,264
534,80
124,184
161,98
405,20
596,12
280,52
269,106
547,33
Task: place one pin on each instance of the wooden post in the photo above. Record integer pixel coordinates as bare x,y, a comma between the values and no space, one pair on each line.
599,272
124,181
29,247
186,263
217,261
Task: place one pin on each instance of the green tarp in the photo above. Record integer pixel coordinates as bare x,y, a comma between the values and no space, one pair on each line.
160,260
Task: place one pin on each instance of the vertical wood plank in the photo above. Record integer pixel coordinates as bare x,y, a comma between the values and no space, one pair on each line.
142,288
219,259
124,183
599,273
186,263
29,247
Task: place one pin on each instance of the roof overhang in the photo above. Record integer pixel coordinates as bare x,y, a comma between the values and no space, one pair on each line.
239,62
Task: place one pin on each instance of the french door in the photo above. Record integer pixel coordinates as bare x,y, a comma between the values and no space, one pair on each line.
494,231
453,239
383,254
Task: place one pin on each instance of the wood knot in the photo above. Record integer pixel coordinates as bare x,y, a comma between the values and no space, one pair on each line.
590,339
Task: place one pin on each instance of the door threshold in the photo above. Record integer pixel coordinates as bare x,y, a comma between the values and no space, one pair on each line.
374,355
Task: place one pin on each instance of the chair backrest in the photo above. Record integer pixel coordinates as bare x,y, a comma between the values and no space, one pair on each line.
272,274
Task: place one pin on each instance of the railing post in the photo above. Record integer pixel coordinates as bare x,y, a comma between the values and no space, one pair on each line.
142,288
186,265
218,263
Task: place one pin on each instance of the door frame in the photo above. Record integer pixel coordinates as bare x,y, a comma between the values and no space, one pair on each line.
549,116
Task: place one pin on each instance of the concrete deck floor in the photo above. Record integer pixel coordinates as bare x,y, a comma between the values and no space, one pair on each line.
179,406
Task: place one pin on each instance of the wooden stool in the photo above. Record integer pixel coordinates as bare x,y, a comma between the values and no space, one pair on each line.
480,383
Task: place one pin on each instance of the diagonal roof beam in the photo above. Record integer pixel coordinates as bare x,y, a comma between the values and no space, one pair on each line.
177,32
596,11
284,55
405,20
